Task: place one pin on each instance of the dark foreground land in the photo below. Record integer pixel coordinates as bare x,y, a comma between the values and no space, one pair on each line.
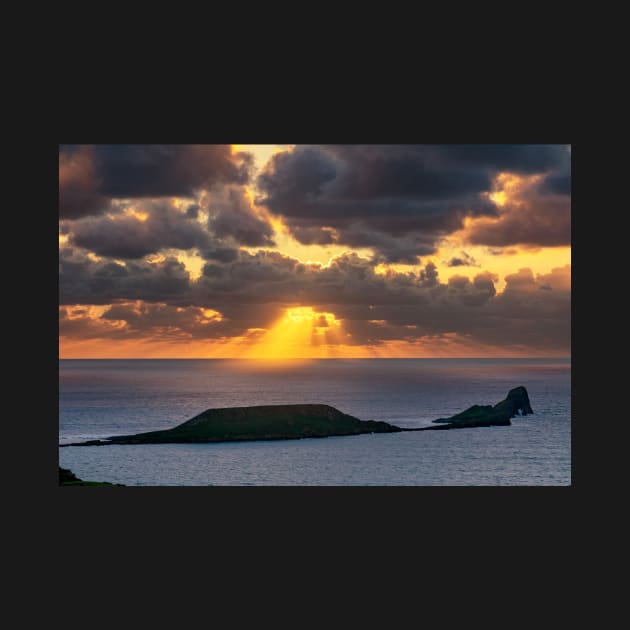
68,478
286,422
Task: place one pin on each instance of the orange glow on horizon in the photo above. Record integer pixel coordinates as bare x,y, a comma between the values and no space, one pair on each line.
300,333
153,349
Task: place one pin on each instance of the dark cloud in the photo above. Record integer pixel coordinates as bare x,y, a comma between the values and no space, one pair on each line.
463,260
537,212
429,275
390,249
532,218
558,279
399,200
475,293
160,170
159,322
79,194
521,318
314,235
557,184
502,251
166,321
348,282
90,176
219,253
515,158
418,172
534,317
149,226
85,281
127,236
232,216
264,277
192,212
297,174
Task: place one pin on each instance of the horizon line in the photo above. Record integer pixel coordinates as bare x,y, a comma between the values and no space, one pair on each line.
278,360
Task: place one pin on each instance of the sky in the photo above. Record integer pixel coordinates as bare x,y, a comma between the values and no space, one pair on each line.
314,251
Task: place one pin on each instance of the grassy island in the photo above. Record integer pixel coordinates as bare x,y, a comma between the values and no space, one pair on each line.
270,422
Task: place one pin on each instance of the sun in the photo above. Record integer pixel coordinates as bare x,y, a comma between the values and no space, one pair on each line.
302,332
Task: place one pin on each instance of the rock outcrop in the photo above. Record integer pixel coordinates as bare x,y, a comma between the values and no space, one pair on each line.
517,401
68,478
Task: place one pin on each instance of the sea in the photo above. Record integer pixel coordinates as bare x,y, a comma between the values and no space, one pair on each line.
101,398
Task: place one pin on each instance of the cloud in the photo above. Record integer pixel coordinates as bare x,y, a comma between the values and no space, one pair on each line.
138,320
531,218
558,279
254,290
463,260
90,176
390,249
192,212
233,216
165,321
501,251
513,158
557,183
400,200
86,281
150,227
521,318
135,229
122,204
78,184
219,253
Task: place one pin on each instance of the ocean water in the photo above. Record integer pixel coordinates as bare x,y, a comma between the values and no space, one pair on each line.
100,398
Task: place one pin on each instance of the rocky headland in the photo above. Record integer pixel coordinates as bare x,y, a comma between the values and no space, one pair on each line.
515,403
